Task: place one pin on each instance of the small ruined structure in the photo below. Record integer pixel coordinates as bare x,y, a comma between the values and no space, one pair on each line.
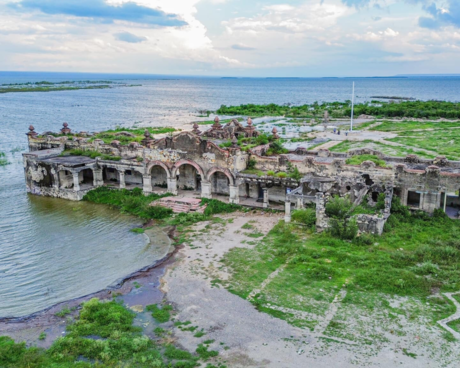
232,129
188,163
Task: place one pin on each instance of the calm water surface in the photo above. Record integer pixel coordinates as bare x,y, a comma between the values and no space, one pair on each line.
53,250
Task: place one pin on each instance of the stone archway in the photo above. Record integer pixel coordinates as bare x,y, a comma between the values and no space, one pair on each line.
158,174
222,182
180,163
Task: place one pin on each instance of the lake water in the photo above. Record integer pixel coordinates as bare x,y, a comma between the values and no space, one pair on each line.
53,250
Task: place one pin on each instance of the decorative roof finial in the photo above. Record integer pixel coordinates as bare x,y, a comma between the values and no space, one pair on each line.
147,133
249,122
275,133
65,130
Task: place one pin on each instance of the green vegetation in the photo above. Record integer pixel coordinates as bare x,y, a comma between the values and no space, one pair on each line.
64,312
161,315
138,230
214,207
359,159
210,122
306,216
395,151
372,270
412,109
3,160
42,336
440,142
406,125
103,336
132,202
425,139
341,224
133,134
45,86
91,154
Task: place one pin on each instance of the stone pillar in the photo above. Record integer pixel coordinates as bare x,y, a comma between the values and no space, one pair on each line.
55,179
98,178
76,182
172,186
206,191
122,179
287,210
234,194
147,184
299,203
265,190
321,218
404,196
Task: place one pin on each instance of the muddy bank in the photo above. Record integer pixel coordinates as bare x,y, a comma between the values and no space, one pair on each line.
128,289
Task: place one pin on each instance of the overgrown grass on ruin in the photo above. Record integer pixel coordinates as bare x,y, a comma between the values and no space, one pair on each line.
401,263
134,134
90,154
359,159
102,336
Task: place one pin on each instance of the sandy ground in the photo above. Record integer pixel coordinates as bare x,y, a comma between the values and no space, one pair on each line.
245,337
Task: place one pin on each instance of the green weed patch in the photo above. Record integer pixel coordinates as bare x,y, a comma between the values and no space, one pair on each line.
132,202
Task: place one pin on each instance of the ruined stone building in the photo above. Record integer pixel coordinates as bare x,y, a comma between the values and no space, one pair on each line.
193,161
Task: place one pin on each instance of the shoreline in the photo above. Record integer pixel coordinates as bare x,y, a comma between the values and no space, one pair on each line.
119,287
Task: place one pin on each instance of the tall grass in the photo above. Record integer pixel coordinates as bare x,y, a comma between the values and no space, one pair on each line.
132,202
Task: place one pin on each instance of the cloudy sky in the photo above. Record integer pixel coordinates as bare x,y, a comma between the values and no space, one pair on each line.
303,38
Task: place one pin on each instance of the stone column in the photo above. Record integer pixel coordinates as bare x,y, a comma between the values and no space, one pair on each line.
76,182
98,178
172,186
234,194
287,210
321,218
265,190
55,179
206,191
147,184
299,203
122,179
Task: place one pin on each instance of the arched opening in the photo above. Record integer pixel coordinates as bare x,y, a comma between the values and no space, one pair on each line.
133,179
86,179
110,176
65,179
159,177
220,183
188,178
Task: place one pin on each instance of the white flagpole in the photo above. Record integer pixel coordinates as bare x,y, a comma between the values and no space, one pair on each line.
352,107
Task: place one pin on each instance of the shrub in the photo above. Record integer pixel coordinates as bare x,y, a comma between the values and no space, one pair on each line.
359,159
252,164
215,206
132,202
341,225
270,173
161,315
281,175
339,207
305,216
